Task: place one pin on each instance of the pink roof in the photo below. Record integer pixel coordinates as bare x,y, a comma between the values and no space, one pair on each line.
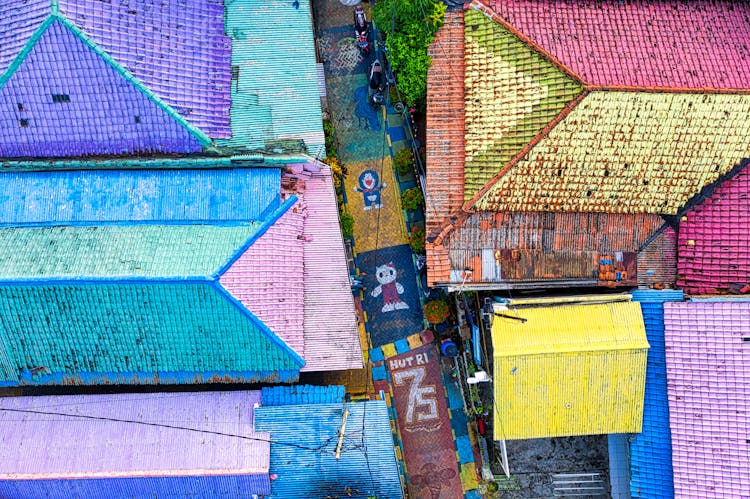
331,333
690,44
268,278
714,238
708,382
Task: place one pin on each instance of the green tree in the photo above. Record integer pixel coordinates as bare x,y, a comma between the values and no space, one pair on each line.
410,26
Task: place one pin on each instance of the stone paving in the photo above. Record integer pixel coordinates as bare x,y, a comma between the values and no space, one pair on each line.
439,463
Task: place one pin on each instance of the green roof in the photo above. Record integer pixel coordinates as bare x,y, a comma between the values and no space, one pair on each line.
146,251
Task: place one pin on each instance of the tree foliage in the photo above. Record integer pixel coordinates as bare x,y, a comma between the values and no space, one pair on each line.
410,26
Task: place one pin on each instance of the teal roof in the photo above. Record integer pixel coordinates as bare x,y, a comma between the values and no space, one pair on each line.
146,330
118,251
273,38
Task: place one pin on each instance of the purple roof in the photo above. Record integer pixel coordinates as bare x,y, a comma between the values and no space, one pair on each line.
708,381
177,434
714,238
177,48
18,20
66,100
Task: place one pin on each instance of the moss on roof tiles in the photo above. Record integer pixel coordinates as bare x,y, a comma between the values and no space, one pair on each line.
512,93
118,251
628,152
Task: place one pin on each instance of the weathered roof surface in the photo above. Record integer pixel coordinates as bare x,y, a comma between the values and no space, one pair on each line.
445,122
568,369
151,434
18,20
67,99
155,251
302,395
689,44
537,246
709,393
268,278
627,152
274,90
177,48
651,449
159,196
714,240
148,332
512,94
331,332
304,446
657,260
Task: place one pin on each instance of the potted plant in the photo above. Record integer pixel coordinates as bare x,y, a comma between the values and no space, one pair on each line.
416,240
436,311
404,161
412,199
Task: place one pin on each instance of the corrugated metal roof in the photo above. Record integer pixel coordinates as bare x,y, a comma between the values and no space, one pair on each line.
177,48
131,435
87,107
708,384
714,240
166,196
512,94
268,278
331,333
651,450
628,152
302,395
566,370
275,90
118,251
648,43
304,445
135,333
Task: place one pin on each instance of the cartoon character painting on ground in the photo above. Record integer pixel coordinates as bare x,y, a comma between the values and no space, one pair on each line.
370,187
389,288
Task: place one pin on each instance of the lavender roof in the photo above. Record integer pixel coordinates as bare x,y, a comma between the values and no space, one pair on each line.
177,434
708,384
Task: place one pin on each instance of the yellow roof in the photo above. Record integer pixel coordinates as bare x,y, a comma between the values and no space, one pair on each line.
574,369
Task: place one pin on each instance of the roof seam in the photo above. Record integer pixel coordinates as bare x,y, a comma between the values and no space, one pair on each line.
273,337
28,46
469,205
485,9
201,136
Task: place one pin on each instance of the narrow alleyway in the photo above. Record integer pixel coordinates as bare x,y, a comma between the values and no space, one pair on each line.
406,369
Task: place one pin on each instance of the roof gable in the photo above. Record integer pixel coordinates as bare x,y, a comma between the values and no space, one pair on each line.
512,94
63,98
686,44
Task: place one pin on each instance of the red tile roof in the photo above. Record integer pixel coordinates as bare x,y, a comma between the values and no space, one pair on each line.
687,44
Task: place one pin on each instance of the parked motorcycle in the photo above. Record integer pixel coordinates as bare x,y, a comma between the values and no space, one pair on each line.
361,32
377,84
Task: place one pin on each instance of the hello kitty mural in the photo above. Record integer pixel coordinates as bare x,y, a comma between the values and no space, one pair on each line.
389,287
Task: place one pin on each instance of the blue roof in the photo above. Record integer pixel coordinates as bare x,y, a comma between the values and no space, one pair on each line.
144,196
135,333
302,395
303,446
651,450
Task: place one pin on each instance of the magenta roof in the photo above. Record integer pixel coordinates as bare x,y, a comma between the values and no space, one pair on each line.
714,238
150,434
708,382
688,44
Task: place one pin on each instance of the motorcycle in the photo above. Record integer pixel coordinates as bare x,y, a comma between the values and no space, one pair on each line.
377,84
361,32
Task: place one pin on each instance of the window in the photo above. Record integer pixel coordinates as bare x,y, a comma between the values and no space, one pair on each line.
60,98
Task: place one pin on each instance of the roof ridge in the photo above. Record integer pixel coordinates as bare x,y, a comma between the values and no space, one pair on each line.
28,46
270,221
481,6
469,205
273,337
201,136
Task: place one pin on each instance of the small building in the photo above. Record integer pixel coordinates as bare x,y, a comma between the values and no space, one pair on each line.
708,352
135,445
568,366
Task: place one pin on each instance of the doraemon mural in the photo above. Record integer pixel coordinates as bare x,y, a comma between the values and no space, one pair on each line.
370,187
